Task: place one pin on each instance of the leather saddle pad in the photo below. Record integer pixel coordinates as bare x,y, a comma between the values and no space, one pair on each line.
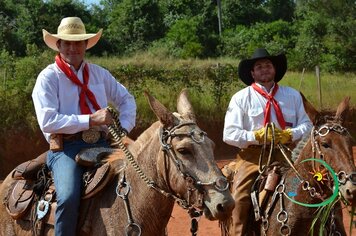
19,198
29,169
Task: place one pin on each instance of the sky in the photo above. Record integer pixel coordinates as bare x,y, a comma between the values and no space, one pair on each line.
89,2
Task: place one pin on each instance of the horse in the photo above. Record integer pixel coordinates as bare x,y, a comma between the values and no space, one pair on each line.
306,199
172,162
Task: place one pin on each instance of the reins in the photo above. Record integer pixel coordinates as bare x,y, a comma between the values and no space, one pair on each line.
269,126
281,147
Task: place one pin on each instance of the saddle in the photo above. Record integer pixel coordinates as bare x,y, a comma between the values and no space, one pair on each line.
34,189
264,185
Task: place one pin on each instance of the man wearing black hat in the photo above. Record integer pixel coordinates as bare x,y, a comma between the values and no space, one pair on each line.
262,102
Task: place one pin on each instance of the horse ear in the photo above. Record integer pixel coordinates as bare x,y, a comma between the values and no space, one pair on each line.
184,107
312,113
163,114
342,110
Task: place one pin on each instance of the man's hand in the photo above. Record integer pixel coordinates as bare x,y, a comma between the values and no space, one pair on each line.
280,136
100,117
260,135
283,136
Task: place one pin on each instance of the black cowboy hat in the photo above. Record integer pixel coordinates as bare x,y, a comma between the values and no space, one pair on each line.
245,66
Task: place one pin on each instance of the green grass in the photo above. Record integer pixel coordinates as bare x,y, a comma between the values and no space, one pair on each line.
210,86
334,88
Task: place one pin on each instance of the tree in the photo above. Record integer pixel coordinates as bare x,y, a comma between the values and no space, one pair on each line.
134,24
281,9
242,12
24,20
327,34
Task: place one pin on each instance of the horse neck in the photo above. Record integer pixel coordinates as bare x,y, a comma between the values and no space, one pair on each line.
153,205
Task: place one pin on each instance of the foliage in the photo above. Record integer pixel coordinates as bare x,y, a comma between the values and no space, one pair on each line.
242,12
327,35
310,32
182,39
19,76
277,36
24,20
175,10
134,24
211,84
322,216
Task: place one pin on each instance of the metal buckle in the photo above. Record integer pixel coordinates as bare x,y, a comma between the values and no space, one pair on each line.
92,135
42,209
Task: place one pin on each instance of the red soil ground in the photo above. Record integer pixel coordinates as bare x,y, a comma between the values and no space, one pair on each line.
179,225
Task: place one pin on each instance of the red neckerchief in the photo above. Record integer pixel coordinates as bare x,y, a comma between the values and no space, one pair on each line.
85,91
270,99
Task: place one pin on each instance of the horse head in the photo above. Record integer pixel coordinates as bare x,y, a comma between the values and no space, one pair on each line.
331,141
187,161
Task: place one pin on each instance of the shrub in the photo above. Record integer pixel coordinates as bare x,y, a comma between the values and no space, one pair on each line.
278,36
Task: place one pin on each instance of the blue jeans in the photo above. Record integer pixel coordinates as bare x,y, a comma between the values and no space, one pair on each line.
67,176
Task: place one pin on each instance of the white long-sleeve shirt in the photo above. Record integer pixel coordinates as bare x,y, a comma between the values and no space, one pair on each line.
245,115
56,100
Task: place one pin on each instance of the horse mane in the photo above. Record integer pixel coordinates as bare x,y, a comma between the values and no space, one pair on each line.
141,142
134,147
301,144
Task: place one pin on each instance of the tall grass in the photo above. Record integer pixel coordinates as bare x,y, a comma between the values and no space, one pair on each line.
334,87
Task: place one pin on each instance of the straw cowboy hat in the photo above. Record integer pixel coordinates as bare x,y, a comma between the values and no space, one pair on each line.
70,29
245,67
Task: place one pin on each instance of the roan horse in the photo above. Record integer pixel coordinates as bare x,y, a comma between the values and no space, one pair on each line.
175,162
307,196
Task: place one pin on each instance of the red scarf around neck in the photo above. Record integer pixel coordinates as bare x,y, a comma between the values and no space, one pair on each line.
85,91
270,99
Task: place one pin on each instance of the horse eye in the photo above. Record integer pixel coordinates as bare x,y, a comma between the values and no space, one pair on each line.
183,151
325,145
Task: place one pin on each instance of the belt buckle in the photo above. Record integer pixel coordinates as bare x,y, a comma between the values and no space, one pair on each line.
92,135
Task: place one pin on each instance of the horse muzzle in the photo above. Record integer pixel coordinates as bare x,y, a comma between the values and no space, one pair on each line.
348,187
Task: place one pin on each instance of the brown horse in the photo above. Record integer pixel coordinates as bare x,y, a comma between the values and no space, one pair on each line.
307,189
174,163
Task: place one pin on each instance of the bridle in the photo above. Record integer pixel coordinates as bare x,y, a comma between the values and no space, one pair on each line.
322,131
198,136
194,186
166,136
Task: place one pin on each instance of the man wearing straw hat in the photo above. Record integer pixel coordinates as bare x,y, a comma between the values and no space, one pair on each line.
70,98
262,102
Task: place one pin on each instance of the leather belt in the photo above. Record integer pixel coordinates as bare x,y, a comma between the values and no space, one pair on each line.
88,136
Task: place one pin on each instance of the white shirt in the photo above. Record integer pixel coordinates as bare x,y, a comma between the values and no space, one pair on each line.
56,100
245,115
